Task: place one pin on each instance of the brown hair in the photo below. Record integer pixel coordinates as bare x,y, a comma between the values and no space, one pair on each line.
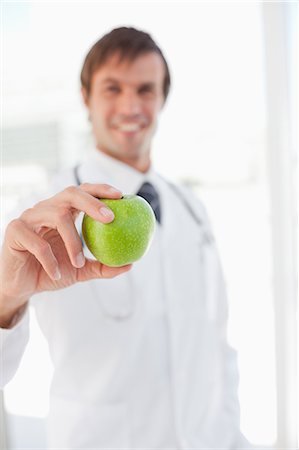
129,43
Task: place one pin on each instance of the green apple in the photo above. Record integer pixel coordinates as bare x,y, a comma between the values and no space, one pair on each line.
125,239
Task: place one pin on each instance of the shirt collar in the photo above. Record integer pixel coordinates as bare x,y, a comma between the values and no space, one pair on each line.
117,173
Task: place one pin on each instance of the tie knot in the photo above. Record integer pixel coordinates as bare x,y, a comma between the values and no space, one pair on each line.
149,193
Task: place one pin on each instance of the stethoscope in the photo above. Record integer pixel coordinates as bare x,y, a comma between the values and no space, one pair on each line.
207,238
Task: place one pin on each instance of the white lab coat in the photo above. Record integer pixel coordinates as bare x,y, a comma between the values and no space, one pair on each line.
141,361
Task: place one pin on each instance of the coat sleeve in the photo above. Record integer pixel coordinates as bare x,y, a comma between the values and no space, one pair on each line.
13,342
230,415
228,418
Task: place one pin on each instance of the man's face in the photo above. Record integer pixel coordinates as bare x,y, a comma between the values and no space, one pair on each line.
124,102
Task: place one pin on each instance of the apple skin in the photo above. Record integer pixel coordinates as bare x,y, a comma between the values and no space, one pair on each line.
127,238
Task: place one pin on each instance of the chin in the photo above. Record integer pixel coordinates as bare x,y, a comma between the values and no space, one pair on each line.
133,157
130,150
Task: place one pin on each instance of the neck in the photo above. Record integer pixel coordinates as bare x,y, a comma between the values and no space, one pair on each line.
141,164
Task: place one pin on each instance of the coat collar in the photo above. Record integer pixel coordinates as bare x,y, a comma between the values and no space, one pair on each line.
101,168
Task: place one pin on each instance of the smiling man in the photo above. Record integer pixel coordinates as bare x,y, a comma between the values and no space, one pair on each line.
140,356
124,90
124,101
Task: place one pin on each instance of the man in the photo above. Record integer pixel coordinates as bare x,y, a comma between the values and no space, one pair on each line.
140,360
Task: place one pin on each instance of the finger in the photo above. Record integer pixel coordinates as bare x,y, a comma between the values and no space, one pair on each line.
78,198
71,239
60,219
94,269
21,238
101,190
56,213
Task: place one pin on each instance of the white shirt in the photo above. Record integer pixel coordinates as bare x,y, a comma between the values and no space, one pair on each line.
141,361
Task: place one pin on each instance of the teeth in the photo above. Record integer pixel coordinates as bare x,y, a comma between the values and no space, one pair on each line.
129,127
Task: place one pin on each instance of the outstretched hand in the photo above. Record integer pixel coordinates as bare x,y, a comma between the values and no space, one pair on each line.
43,251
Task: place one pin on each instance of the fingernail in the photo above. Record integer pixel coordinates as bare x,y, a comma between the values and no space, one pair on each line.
80,260
106,212
57,274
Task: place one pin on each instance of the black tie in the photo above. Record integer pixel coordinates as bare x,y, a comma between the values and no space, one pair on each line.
149,193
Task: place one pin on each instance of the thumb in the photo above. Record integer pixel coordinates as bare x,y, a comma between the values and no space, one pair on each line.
94,269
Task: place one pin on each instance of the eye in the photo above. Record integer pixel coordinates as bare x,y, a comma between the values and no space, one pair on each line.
146,89
112,88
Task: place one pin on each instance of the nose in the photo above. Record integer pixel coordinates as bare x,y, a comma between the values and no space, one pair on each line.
129,103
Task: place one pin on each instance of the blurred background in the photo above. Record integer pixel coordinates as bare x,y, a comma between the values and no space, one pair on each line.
228,130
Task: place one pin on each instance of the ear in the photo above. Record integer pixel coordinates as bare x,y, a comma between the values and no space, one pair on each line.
85,96
162,104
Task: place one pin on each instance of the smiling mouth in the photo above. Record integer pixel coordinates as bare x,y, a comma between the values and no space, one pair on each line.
129,127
